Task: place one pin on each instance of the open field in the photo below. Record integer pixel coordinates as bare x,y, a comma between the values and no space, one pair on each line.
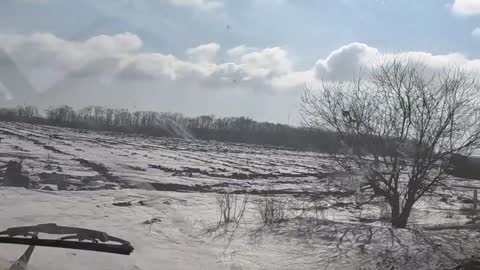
162,195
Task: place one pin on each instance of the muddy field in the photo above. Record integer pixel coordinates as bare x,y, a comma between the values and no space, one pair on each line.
162,194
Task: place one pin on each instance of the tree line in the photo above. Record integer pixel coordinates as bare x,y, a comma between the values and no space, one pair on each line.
206,127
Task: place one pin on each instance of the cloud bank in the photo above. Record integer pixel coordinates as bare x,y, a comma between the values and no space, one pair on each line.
121,58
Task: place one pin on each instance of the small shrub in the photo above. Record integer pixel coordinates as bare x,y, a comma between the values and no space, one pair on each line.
231,207
312,209
272,209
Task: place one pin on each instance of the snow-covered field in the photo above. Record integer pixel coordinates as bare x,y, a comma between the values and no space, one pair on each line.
176,183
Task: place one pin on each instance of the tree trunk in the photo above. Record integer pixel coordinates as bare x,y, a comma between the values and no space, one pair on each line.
395,208
401,220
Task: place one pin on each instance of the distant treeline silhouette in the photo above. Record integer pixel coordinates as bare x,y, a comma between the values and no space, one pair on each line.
230,129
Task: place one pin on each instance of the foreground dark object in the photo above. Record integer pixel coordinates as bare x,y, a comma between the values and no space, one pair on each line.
108,248
79,234
13,175
95,240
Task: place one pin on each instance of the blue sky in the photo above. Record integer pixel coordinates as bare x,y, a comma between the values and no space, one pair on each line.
176,55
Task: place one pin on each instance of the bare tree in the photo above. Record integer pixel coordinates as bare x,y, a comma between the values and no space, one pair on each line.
400,125
63,114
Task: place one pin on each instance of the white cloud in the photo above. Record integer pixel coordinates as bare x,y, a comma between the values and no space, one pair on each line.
199,4
345,62
165,67
204,53
37,49
120,58
269,62
237,52
466,7
476,32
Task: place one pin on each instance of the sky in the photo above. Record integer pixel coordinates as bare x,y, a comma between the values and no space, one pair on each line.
249,58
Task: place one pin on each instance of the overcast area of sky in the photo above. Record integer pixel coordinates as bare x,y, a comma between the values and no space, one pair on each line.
222,57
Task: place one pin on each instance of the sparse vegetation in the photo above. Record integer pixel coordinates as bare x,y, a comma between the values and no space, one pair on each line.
231,207
272,209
